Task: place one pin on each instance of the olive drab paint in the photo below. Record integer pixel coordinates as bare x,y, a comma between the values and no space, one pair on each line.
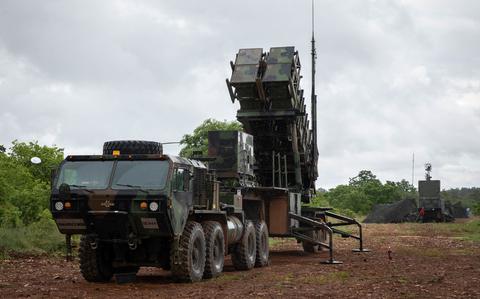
273,111
232,152
92,208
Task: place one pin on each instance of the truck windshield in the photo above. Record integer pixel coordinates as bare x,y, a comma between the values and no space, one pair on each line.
85,174
140,174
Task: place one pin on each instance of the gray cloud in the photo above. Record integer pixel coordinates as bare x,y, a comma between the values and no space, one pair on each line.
394,77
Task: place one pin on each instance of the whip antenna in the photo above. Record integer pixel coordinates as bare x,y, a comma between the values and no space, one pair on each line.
314,102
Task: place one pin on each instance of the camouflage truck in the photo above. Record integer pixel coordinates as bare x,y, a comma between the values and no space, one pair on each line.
135,206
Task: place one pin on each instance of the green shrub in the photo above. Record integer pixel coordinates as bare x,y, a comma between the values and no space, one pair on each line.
319,200
345,212
39,237
476,209
10,215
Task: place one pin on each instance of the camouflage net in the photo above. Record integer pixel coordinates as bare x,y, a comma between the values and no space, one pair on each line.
400,211
456,210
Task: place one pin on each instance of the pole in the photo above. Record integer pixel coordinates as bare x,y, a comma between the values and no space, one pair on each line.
314,100
413,168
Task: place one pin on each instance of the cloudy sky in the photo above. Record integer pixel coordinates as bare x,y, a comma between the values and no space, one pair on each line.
393,77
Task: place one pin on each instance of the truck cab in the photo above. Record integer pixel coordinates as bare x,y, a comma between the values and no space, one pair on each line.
124,197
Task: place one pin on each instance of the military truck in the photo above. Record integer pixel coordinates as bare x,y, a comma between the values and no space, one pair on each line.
135,206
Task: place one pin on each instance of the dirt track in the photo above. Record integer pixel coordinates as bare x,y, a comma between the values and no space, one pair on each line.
438,266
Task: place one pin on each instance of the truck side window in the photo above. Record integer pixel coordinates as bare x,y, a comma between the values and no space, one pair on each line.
178,180
181,180
186,180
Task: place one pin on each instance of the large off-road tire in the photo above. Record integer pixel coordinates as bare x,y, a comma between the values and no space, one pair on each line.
244,253
188,262
215,249
263,250
316,235
95,265
130,147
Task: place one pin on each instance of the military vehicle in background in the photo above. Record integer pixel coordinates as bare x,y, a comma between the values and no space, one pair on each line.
457,210
431,206
135,206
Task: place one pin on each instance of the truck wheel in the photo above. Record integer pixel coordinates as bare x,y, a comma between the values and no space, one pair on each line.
215,249
95,265
263,251
188,263
130,147
244,253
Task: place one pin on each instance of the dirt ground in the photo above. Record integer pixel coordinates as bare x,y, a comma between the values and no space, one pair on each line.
426,262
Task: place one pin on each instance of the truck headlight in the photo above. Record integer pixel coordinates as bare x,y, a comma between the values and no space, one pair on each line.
153,206
58,206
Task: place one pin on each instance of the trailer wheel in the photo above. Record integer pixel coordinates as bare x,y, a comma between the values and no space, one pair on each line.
215,249
95,264
188,263
244,253
263,251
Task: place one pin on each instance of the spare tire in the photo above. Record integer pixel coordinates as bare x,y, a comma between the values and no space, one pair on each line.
130,147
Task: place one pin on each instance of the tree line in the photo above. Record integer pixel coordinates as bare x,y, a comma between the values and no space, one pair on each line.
363,192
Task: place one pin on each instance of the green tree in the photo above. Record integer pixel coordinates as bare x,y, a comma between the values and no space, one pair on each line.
405,186
25,187
319,200
198,140
364,191
22,152
363,177
468,197
347,197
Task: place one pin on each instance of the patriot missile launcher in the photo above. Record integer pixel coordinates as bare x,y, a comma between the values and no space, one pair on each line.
135,206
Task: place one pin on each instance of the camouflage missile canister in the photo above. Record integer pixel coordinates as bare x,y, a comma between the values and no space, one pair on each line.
272,109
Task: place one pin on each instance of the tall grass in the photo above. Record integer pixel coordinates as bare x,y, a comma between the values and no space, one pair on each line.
41,237
469,230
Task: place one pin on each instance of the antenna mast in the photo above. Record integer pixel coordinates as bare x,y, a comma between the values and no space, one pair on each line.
428,169
314,100
413,168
